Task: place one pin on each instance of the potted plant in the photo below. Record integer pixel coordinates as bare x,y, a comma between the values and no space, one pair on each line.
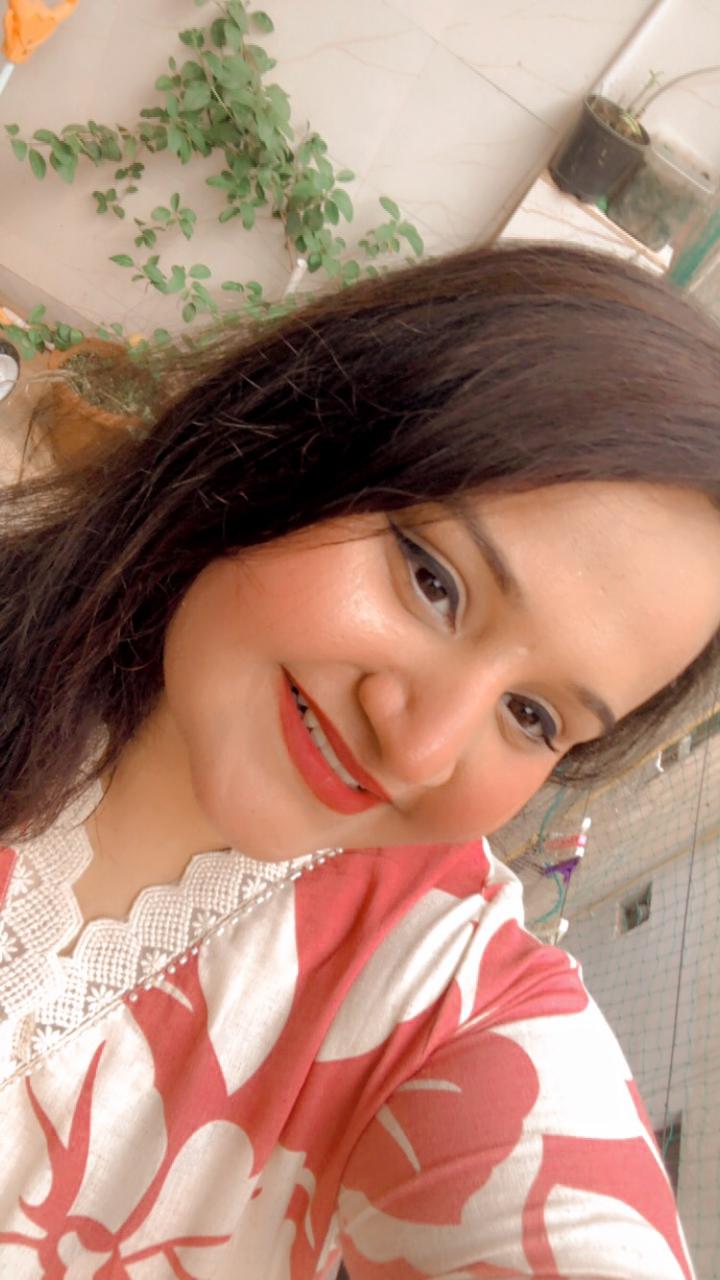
609,143
96,385
97,391
604,148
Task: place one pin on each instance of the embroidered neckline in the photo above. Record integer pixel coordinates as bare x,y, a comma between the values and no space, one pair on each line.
45,996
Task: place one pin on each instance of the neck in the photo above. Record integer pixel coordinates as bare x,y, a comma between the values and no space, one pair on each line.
148,824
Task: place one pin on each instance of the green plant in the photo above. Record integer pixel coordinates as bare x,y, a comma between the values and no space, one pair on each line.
216,102
40,336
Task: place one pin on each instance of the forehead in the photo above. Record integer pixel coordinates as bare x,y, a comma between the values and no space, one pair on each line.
622,575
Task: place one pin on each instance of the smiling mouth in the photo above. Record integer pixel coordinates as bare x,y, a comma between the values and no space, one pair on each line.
320,755
312,724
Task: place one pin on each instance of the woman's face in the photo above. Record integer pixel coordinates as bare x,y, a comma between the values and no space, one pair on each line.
450,662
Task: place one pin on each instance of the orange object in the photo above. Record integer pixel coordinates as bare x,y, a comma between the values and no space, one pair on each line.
28,23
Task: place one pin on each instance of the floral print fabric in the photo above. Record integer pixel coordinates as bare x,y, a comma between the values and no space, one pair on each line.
375,1061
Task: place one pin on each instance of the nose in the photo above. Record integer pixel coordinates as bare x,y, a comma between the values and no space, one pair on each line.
424,726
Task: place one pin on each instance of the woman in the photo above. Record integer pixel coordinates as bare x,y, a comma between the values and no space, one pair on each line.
269,677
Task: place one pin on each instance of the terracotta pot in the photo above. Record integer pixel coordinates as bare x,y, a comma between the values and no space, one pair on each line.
76,425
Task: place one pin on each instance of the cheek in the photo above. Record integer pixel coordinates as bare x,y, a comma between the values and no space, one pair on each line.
328,603
489,796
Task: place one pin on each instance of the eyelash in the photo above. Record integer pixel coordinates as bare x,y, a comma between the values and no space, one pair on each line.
549,729
416,555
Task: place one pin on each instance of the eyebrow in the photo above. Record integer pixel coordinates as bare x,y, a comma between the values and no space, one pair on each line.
510,587
496,562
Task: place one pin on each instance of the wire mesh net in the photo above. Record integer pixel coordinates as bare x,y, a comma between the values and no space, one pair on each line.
626,876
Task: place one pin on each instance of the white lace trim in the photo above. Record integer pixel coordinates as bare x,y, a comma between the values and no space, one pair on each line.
45,996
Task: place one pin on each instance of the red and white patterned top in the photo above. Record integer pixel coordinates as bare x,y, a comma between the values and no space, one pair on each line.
270,1065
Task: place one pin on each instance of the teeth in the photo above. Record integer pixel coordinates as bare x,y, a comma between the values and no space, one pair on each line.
312,724
298,698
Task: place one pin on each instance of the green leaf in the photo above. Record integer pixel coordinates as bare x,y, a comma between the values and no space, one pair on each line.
234,36
20,148
236,9
197,96
262,21
163,83
331,212
172,106
413,237
64,153
345,175
260,58
390,206
37,314
248,216
177,280
224,181
200,272
189,312
122,260
161,337
350,272
194,38
12,129
175,139
155,275
76,335
232,286
344,204
118,211
201,292
37,163
191,71
109,149
44,135
313,219
331,265
161,214
61,167
217,32
227,214
175,201
92,151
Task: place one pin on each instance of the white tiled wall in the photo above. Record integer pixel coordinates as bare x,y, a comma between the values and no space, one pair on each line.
681,36
449,106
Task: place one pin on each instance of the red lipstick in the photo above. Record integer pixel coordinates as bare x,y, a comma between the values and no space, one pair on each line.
311,763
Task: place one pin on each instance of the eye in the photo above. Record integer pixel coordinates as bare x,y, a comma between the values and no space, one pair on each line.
434,583
532,718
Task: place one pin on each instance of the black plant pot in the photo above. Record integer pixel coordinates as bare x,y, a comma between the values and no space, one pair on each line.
595,158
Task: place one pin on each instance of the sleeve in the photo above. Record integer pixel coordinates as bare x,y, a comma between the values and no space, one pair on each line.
520,1149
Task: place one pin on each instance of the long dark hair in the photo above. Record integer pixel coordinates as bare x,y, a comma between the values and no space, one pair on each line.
495,370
